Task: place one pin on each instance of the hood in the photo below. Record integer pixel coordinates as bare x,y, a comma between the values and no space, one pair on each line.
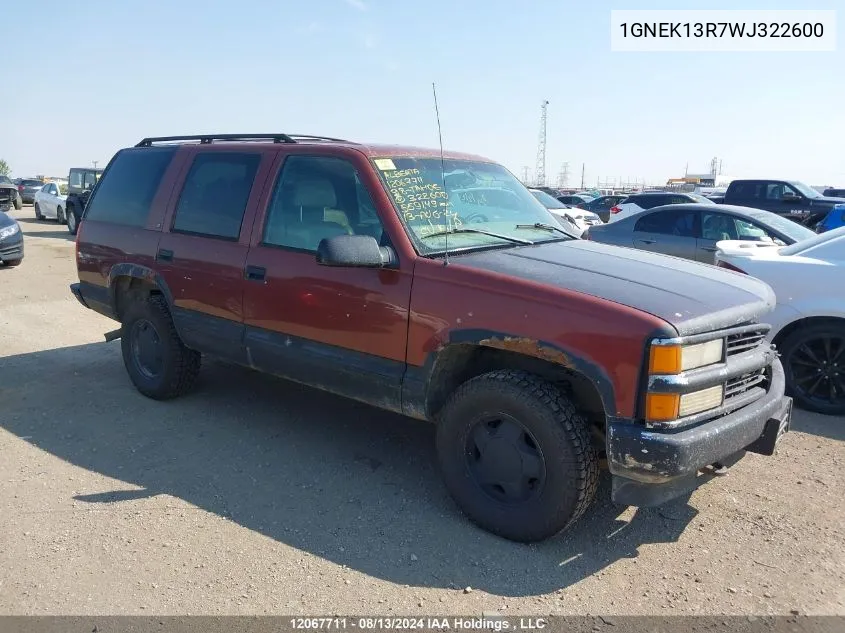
6,220
692,297
829,200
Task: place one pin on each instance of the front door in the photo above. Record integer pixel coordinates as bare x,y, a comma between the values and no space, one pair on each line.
202,251
340,329
670,231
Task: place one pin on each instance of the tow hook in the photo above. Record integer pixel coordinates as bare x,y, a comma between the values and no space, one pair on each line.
112,336
724,465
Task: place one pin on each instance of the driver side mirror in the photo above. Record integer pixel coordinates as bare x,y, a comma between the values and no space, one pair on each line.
790,196
355,251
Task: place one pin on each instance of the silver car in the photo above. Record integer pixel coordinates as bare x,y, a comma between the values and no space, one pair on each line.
691,231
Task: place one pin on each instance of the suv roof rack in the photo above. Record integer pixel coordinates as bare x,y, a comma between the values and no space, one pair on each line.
205,139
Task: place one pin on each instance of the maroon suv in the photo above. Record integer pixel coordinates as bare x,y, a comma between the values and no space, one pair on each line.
435,286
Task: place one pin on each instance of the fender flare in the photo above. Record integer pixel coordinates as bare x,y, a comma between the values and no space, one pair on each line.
137,271
540,349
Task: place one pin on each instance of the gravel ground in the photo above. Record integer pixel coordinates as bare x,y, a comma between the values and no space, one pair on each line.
252,496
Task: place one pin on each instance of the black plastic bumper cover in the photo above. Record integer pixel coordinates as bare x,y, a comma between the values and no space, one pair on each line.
75,290
650,467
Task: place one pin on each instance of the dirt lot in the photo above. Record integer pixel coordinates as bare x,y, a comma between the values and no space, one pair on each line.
252,495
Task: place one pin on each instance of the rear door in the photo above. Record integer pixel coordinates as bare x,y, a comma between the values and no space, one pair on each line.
668,231
342,329
203,249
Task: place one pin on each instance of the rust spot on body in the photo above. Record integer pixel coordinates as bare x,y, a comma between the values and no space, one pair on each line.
528,347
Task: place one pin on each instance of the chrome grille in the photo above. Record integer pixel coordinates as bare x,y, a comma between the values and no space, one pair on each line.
739,385
744,341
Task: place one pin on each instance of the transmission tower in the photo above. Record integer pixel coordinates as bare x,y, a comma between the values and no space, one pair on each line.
540,174
525,171
563,176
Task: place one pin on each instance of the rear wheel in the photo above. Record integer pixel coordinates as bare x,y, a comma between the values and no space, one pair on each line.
72,223
159,364
814,363
516,455
60,215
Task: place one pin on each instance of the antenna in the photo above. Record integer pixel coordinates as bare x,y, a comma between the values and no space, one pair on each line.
442,175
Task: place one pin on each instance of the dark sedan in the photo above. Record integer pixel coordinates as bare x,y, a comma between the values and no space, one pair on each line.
27,188
691,231
601,206
11,241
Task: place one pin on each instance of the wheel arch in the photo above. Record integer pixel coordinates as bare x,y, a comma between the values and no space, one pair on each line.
807,321
129,282
471,353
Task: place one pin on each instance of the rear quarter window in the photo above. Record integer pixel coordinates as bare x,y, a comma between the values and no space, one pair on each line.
128,186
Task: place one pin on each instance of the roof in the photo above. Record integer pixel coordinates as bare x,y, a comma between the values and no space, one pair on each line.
372,150
725,208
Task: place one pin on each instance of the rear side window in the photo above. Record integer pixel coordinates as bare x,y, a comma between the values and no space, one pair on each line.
677,223
215,195
126,192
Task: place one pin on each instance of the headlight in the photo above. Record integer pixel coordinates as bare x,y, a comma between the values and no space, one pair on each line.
9,231
674,359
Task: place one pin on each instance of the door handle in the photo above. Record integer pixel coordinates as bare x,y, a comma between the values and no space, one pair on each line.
255,273
164,255
709,249
646,241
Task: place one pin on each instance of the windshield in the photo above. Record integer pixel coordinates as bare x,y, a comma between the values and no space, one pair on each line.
550,202
62,188
478,195
5,181
31,183
805,190
793,230
800,247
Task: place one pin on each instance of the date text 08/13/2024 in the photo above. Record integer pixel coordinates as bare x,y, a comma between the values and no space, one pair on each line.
497,623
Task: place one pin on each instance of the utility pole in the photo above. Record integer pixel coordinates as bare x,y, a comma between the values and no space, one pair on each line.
540,173
525,170
95,163
583,167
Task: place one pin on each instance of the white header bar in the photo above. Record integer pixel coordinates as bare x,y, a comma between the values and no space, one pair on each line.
723,31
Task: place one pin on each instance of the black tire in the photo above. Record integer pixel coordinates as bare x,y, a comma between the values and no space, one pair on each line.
38,215
18,202
72,221
11,263
175,373
60,216
553,435
808,379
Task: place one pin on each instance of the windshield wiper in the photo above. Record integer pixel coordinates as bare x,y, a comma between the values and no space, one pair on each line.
515,240
545,227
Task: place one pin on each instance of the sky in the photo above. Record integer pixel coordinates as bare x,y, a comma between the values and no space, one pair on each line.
99,75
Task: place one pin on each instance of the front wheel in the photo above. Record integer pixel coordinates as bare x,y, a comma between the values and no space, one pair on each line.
516,455
11,263
18,202
38,215
60,215
159,364
814,363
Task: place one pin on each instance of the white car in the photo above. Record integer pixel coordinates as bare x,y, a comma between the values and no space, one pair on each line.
571,218
649,199
51,202
808,323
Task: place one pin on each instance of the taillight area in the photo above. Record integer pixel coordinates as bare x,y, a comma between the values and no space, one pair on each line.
727,266
20,187
615,209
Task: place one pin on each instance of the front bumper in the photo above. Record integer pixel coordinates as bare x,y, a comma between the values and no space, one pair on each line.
651,467
11,249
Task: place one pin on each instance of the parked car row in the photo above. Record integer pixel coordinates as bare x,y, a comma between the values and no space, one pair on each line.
60,200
